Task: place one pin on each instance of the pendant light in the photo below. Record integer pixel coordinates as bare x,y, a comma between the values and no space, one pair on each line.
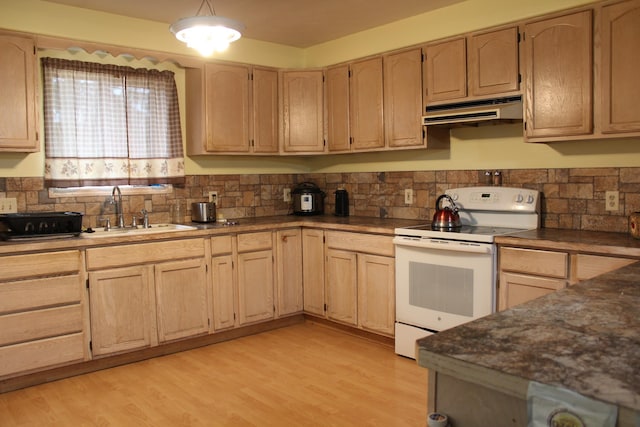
207,33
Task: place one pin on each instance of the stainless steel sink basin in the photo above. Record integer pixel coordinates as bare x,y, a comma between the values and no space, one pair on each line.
154,228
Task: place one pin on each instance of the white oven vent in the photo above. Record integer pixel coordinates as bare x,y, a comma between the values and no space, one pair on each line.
489,111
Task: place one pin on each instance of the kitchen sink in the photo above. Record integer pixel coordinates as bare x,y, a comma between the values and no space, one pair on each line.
128,231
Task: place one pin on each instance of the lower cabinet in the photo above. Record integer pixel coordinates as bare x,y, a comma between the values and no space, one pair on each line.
122,309
182,299
43,321
528,273
360,280
289,271
243,279
144,294
342,286
313,270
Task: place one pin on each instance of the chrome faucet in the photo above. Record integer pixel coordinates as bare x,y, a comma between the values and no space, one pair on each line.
145,218
119,215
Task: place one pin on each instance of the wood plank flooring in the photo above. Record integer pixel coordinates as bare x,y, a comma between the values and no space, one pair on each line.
302,375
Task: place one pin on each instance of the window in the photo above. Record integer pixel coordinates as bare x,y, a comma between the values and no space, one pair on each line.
110,125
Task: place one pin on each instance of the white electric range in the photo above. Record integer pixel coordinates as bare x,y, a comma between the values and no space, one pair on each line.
445,278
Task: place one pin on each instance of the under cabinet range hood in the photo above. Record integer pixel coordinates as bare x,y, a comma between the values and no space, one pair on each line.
475,113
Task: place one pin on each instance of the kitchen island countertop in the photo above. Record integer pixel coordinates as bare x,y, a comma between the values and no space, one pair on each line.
584,338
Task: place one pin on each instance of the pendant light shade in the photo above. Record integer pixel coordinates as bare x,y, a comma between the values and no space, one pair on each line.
207,33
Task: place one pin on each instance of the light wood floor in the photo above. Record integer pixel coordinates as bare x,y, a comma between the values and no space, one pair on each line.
302,375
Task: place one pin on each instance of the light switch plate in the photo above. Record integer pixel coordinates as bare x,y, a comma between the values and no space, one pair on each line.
408,196
8,205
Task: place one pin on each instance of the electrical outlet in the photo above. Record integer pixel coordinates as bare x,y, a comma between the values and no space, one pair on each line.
213,197
612,200
286,194
8,205
408,196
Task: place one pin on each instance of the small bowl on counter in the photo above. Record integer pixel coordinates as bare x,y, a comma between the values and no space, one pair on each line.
436,419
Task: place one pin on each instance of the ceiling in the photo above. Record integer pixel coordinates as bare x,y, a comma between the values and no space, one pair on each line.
298,23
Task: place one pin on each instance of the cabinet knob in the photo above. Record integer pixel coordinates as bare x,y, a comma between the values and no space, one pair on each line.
284,238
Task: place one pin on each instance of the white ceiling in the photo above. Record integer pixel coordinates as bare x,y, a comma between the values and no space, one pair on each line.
298,23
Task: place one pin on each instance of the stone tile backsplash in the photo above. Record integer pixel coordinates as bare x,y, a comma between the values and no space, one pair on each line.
572,198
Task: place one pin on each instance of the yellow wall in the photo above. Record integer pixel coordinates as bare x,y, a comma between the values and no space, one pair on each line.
490,147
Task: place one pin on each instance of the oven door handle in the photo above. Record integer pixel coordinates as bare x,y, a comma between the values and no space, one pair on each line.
444,245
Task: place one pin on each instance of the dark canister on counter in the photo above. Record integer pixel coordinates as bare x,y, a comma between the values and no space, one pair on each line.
342,202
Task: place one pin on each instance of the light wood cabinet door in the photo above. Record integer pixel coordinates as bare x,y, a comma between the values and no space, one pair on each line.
313,270
255,286
264,108
224,292
227,108
519,288
289,271
445,70
122,309
181,298
302,111
403,99
376,293
337,102
365,104
342,289
18,108
493,62
585,266
558,68
619,64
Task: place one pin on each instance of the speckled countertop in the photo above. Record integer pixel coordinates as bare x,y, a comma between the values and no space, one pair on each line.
245,225
601,242
584,338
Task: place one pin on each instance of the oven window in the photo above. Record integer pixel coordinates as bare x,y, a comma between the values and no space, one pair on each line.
441,288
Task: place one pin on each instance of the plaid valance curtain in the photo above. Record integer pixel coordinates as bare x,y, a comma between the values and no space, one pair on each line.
110,125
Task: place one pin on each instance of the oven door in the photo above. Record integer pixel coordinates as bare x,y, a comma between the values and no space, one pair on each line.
442,283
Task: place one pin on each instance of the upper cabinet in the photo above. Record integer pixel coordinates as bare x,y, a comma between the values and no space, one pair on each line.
445,70
18,106
337,106
403,99
232,110
301,106
493,62
619,63
479,65
559,69
354,106
365,106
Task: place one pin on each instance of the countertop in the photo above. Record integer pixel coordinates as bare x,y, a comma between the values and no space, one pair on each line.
585,338
326,222
600,242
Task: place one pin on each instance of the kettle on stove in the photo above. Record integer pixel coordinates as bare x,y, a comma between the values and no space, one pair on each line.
446,218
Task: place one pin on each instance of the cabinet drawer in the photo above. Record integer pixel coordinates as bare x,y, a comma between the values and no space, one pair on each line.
32,325
254,241
35,293
144,253
588,266
221,245
33,265
39,354
361,242
544,263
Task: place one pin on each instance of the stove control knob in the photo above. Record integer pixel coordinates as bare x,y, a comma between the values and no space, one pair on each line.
519,198
530,199
454,196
